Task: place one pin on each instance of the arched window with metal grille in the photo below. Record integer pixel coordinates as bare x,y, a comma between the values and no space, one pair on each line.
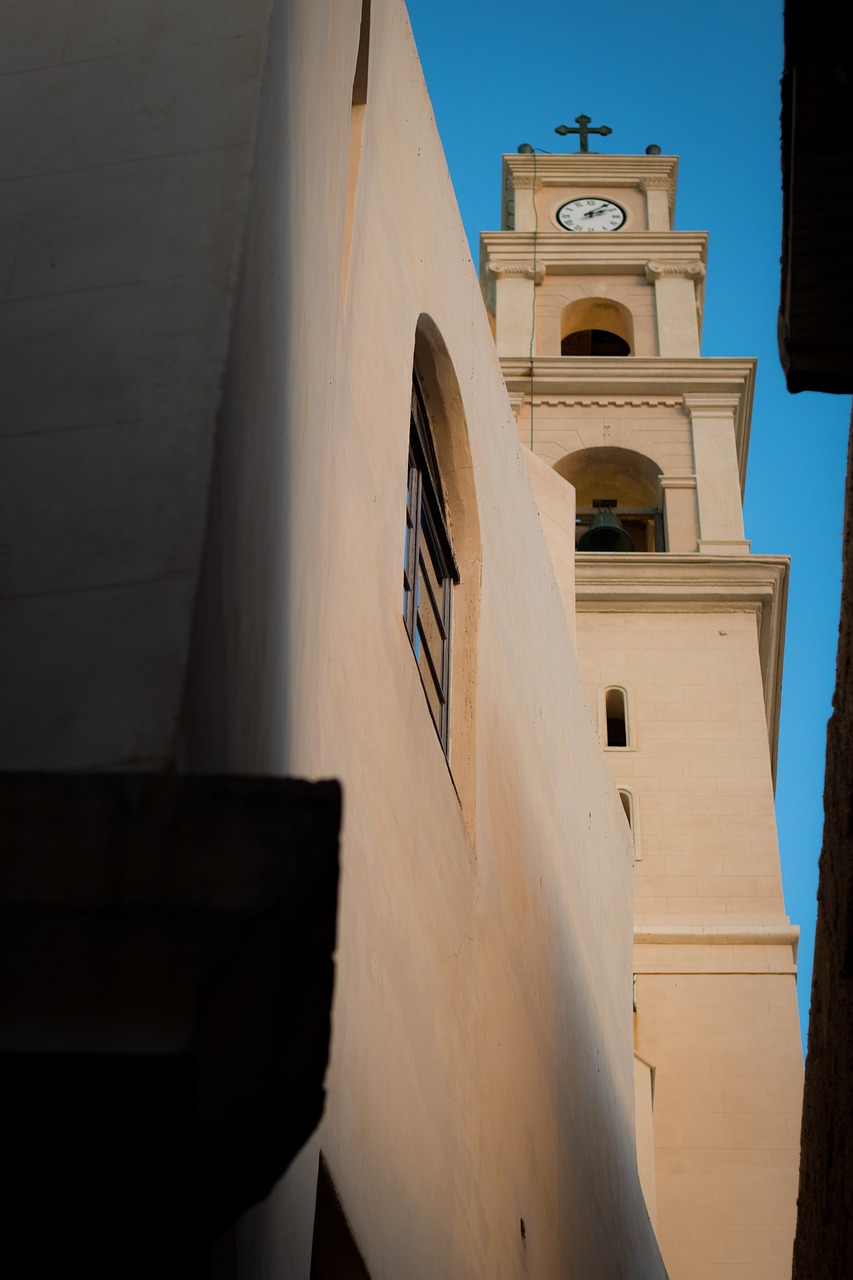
429,566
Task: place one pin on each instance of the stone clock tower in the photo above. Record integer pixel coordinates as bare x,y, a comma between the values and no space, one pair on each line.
597,310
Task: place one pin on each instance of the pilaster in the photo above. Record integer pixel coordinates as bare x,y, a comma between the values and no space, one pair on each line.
514,284
677,501
676,305
660,198
712,421
520,209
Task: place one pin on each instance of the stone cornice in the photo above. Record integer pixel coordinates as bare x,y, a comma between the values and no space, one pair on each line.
648,254
609,402
693,583
721,935
677,376
619,253
580,170
642,380
686,947
657,182
677,482
709,406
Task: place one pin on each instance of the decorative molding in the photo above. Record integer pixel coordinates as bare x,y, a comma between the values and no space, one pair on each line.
724,546
578,168
705,406
683,948
666,483
612,402
616,182
690,270
643,379
675,582
624,254
508,269
695,376
660,182
721,935
621,252
676,482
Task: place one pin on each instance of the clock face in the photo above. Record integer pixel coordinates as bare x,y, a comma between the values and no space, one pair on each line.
591,213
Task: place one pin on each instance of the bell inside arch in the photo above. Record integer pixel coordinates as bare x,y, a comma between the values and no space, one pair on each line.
606,531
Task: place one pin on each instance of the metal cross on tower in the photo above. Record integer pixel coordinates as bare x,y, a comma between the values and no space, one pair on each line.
584,131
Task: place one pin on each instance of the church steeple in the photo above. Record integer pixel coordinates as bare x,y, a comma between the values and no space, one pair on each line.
628,203
597,312
570,294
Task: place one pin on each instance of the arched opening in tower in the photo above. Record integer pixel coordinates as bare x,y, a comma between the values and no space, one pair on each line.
596,327
623,481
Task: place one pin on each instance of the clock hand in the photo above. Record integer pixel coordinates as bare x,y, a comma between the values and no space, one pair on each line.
593,213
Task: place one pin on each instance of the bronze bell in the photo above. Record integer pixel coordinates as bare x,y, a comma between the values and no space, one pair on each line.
606,533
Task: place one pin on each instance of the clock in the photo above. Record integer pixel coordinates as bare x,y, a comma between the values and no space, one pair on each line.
591,213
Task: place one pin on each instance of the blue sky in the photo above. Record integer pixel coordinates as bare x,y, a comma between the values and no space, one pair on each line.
701,81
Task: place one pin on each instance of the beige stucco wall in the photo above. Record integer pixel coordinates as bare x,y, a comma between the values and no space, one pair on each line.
716,1010
482,1061
699,762
555,502
728,1092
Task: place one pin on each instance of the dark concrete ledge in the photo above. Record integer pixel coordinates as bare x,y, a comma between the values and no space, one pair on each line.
166,975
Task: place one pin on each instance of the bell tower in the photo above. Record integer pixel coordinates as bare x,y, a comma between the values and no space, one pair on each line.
596,303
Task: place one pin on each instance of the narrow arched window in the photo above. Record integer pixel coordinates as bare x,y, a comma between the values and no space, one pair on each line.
429,567
629,806
616,723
